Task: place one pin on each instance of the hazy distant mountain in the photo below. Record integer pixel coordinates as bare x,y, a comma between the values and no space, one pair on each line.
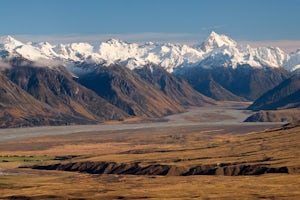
285,95
175,88
210,88
244,82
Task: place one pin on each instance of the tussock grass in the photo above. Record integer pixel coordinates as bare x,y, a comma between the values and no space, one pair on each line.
175,146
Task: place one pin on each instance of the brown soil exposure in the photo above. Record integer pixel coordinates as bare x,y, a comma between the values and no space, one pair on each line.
169,170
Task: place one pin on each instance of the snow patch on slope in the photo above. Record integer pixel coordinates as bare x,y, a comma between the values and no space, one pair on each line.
216,51
10,47
293,64
136,55
222,51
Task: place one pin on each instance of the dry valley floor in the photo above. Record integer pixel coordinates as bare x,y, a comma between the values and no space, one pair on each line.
207,153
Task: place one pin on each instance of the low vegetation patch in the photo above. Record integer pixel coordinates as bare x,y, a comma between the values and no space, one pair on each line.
16,158
26,158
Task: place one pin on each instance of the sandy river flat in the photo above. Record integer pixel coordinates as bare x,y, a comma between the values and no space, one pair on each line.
227,114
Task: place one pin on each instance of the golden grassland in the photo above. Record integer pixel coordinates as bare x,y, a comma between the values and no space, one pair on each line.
184,146
73,185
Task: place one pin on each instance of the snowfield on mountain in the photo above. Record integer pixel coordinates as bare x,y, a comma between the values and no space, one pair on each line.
216,51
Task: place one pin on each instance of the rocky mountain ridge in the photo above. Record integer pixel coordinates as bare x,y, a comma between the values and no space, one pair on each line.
216,51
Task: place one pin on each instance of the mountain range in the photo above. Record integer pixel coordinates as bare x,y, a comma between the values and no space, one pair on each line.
216,51
218,54
84,83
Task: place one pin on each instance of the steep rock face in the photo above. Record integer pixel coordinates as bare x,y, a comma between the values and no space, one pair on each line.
129,92
175,88
57,89
18,108
285,95
244,81
225,169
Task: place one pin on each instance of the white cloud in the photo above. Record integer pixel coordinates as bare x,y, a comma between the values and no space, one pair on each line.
4,66
130,37
47,63
183,38
286,45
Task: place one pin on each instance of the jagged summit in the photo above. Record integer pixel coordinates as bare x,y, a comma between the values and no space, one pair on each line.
9,43
114,41
15,48
8,39
215,41
216,51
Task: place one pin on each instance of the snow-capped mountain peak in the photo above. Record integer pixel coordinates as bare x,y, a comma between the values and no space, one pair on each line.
9,39
216,51
9,43
215,41
14,48
222,51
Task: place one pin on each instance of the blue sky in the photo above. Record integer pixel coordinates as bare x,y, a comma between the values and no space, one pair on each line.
178,20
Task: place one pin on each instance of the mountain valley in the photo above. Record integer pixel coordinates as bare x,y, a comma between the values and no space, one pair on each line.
116,80
205,152
149,100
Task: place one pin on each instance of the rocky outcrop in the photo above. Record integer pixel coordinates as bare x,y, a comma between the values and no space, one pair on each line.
225,169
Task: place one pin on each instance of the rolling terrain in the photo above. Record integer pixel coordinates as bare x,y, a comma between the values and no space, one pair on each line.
194,160
284,115
150,132
278,104
285,95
